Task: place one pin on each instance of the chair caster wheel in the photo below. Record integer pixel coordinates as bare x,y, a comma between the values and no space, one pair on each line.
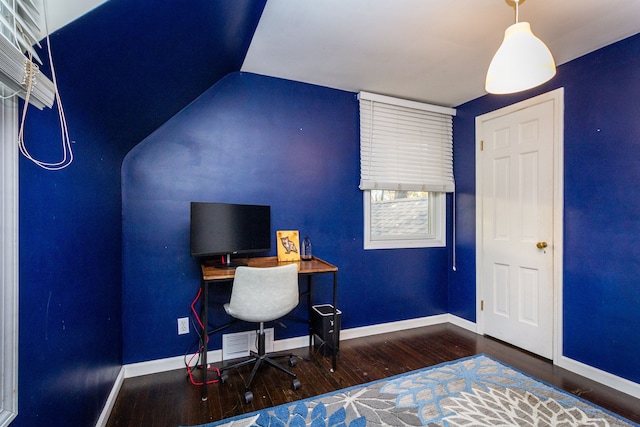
224,377
293,361
295,384
248,397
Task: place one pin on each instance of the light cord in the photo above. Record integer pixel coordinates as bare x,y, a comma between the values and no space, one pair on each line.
30,72
453,243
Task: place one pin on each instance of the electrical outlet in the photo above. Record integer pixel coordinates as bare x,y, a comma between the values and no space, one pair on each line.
183,325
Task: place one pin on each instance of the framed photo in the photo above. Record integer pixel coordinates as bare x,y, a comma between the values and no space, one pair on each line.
288,242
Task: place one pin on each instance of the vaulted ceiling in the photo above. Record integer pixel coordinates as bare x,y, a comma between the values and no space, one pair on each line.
429,50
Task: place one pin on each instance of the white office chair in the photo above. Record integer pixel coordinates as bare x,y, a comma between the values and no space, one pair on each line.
262,295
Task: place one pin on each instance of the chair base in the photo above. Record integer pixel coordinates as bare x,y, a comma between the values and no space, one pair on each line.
259,359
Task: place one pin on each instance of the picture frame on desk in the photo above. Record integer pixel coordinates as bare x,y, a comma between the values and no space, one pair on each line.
288,242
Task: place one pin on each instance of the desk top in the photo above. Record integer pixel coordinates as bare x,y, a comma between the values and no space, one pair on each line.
316,265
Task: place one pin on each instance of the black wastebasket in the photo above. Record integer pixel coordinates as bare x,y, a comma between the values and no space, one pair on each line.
324,329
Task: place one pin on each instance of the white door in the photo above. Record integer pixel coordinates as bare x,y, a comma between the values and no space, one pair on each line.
516,217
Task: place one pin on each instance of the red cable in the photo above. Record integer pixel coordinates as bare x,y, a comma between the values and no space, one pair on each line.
195,312
189,370
213,368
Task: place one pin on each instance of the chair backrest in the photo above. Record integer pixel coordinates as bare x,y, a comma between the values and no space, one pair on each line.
263,294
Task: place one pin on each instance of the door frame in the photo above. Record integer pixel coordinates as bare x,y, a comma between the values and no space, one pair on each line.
557,97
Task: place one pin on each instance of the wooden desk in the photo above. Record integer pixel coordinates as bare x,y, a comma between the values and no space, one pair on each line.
316,265
307,269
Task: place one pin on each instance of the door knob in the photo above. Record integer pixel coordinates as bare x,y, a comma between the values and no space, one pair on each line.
541,245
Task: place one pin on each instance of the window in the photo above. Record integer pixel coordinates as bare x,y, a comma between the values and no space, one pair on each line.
18,76
404,219
406,169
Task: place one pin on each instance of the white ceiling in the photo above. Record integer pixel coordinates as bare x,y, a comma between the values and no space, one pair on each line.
61,12
435,51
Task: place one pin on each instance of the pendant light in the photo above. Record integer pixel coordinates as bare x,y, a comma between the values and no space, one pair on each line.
523,61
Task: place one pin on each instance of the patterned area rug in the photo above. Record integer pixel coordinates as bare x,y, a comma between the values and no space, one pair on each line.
477,391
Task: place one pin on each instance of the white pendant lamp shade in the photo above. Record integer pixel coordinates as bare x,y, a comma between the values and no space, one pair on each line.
523,61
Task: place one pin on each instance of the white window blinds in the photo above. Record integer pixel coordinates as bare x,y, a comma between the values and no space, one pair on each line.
19,31
405,145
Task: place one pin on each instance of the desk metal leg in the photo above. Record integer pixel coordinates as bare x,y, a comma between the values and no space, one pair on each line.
335,321
310,310
204,316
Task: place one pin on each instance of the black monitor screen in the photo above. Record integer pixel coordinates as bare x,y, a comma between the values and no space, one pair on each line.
222,229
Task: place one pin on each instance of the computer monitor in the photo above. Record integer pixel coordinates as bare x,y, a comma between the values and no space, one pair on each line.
220,230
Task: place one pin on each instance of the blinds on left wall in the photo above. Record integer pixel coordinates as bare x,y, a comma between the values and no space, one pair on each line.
19,30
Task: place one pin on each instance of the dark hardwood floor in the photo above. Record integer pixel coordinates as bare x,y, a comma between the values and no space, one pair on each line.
169,399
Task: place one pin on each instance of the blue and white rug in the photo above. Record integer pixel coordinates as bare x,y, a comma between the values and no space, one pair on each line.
477,391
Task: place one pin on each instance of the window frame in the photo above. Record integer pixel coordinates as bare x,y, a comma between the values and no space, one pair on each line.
9,280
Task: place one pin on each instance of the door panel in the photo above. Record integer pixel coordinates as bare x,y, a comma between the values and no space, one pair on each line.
517,214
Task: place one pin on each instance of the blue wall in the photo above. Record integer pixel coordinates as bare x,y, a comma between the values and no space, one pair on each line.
601,292
104,251
259,140
121,76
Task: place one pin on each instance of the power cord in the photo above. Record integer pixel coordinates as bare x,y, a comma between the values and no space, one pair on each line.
201,337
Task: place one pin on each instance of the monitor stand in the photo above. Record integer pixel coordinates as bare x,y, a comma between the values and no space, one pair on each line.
224,261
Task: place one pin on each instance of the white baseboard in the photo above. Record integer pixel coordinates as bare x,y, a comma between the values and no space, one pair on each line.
463,323
383,328
111,400
169,364
598,375
214,356
618,383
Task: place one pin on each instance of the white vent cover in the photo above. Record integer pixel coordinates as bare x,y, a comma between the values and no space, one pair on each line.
239,344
